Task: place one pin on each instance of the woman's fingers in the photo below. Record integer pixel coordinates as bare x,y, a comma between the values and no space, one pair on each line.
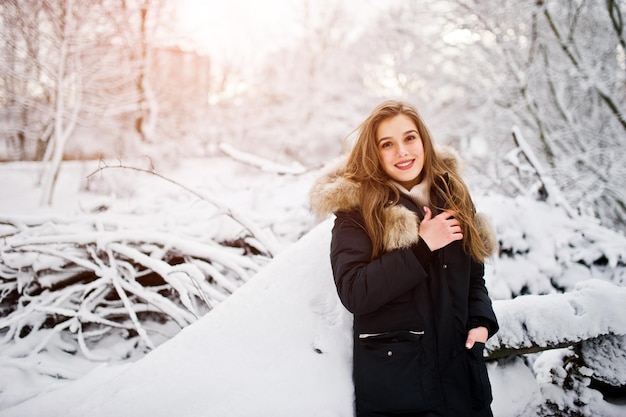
451,224
427,214
440,230
477,334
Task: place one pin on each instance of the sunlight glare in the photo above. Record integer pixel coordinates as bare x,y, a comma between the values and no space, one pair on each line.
238,28
461,37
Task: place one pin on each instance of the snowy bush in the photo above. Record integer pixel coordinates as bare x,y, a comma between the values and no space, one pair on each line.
543,251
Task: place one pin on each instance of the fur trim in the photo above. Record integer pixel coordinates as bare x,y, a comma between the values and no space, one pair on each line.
450,157
401,228
487,233
332,192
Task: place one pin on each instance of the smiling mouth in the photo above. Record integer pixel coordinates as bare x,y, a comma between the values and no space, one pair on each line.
405,164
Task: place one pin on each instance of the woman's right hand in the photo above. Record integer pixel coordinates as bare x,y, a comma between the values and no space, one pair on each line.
441,230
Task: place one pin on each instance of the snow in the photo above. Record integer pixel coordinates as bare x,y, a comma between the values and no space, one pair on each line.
515,388
117,205
592,308
281,344
263,164
607,357
543,250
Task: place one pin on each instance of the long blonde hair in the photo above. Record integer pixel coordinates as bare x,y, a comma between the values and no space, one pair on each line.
376,189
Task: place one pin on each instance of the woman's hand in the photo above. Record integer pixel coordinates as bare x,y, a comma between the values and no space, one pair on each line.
441,230
477,334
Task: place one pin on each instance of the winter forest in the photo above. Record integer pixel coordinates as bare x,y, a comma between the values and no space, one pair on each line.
158,255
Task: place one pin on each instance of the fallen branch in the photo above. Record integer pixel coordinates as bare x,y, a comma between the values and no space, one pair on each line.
267,241
533,323
98,273
260,163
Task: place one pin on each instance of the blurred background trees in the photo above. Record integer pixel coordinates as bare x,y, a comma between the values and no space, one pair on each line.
109,78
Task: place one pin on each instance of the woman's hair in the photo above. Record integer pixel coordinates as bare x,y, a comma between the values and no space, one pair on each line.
376,189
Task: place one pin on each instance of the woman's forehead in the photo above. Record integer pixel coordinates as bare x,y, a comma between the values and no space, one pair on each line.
398,125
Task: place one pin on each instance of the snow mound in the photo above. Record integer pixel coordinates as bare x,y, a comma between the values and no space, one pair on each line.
280,346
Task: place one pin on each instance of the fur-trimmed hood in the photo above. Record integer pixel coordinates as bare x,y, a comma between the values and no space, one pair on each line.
333,192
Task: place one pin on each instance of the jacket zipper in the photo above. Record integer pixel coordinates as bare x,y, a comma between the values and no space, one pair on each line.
367,335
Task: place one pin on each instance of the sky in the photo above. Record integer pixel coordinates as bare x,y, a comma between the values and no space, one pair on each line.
235,26
248,29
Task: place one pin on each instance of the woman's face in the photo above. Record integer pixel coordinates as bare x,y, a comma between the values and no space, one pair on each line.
401,150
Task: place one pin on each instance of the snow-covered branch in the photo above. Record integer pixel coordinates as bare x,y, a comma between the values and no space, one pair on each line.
91,275
256,161
533,323
268,241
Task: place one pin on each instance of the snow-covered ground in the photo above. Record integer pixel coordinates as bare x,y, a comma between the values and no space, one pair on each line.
280,345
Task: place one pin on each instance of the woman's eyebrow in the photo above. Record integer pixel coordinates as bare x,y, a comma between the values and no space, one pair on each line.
404,134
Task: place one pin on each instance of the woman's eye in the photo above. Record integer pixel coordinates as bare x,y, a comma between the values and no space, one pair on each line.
410,138
385,145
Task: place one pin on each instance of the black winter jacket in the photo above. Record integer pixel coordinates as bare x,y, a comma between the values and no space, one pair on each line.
412,310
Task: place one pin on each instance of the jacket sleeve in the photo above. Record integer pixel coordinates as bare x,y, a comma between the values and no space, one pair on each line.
480,310
365,285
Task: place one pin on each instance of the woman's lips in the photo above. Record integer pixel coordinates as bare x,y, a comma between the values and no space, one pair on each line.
405,164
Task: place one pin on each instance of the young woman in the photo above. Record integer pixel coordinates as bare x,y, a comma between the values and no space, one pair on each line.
407,255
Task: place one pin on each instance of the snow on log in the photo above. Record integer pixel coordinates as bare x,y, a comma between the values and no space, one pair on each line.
533,323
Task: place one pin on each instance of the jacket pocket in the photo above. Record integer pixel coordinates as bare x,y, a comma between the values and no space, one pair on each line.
480,387
390,372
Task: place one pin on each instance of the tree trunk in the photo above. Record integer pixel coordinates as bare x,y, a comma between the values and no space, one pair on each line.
62,129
